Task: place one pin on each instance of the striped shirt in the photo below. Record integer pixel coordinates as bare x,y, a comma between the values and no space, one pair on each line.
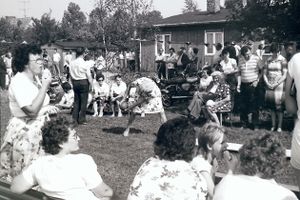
249,69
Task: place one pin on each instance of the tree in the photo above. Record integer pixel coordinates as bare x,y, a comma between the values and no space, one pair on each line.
190,6
10,32
44,30
273,20
73,22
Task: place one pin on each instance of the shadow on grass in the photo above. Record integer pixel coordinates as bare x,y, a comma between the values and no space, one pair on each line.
120,130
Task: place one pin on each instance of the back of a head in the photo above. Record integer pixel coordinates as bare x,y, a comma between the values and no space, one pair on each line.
219,46
208,135
262,155
175,140
79,51
54,133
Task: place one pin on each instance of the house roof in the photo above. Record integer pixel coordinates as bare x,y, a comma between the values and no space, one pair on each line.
196,17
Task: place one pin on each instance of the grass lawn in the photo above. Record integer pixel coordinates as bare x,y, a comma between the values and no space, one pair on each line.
118,158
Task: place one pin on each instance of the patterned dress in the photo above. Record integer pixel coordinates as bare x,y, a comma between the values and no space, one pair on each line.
148,89
275,69
223,91
167,180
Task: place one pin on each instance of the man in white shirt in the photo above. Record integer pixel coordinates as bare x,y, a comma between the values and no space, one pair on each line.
117,92
56,59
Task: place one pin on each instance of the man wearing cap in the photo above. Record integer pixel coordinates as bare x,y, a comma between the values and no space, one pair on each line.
249,74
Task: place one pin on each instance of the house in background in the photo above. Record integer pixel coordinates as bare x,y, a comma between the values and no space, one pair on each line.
66,46
201,27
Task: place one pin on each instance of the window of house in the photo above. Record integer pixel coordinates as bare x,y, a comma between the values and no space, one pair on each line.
211,39
162,42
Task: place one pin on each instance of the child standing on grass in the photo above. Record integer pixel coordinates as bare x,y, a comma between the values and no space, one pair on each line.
211,145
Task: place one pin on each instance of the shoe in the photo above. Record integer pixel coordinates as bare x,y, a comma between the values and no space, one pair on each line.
279,130
120,115
83,123
255,128
95,115
142,114
113,115
272,129
126,133
100,115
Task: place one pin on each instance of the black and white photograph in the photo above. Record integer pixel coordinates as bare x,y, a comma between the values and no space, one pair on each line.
149,99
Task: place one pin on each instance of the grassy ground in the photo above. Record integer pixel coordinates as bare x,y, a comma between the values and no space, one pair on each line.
119,158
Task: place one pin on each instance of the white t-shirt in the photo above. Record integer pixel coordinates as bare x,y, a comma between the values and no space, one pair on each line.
237,187
228,67
22,91
56,57
79,68
101,91
201,165
70,177
118,89
167,180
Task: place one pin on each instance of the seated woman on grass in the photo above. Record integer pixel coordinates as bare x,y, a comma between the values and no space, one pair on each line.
215,91
261,158
168,175
60,173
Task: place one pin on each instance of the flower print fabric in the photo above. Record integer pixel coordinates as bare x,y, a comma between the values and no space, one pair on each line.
167,180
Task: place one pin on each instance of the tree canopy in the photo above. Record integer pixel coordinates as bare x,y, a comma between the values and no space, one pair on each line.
273,20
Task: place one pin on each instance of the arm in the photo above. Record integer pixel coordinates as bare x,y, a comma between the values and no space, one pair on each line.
90,78
103,191
239,81
33,109
20,185
210,184
290,102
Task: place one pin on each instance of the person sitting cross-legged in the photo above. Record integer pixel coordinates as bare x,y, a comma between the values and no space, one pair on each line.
213,92
101,94
61,174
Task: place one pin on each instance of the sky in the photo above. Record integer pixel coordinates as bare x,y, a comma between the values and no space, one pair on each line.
35,8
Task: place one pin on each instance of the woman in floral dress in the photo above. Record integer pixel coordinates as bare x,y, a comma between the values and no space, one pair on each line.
274,76
222,103
148,100
169,175
29,106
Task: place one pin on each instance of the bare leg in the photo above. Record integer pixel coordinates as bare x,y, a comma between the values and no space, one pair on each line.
95,107
112,105
101,110
130,121
280,118
213,116
119,109
273,116
163,117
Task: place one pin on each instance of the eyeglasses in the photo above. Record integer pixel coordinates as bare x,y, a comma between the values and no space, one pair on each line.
38,61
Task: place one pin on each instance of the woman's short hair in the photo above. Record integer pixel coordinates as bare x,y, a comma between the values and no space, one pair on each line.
176,140
99,75
263,155
79,51
208,135
244,50
21,55
225,51
274,48
55,132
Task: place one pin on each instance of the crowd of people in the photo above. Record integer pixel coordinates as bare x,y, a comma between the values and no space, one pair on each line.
39,144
